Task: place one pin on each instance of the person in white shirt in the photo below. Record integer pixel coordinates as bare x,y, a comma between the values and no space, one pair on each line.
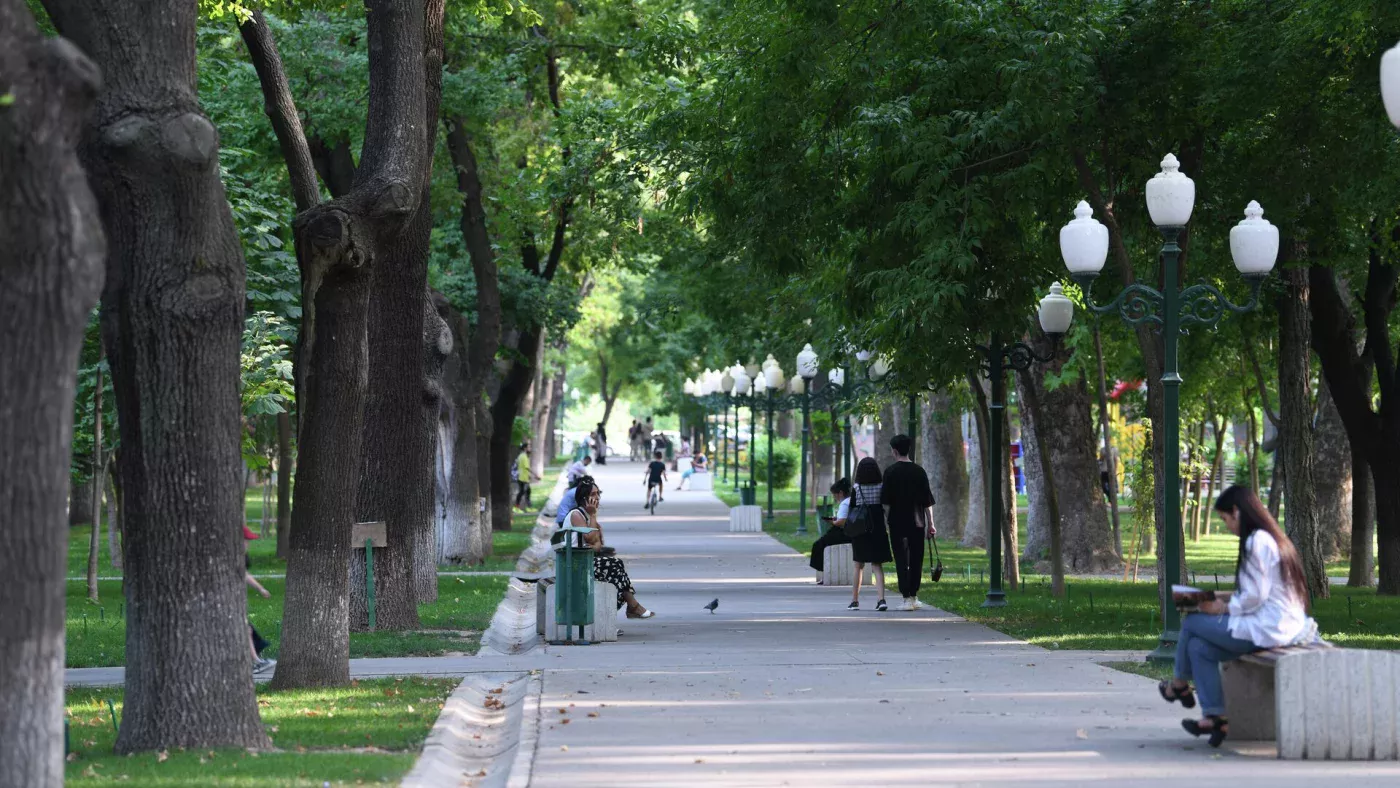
578,469
836,531
1268,609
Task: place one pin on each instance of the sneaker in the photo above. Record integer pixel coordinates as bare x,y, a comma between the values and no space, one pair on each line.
917,604
907,605
853,606
881,606
263,665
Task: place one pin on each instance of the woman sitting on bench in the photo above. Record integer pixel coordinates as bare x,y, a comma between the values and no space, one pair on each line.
1268,610
835,532
607,567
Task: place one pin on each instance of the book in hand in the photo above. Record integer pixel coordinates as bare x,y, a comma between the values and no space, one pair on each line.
1188,598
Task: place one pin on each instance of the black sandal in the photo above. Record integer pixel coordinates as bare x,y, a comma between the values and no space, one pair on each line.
1187,697
1218,730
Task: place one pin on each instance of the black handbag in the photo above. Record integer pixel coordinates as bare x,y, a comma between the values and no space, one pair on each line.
935,573
858,520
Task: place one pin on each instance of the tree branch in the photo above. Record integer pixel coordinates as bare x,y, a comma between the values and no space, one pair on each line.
1348,378
281,109
1261,385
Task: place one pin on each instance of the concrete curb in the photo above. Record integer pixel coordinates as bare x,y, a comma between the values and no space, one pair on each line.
476,738
523,767
512,629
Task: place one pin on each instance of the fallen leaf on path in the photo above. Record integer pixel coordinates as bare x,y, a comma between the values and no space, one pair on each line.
879,672
593,714
565,721
699,760
1081,734
563,748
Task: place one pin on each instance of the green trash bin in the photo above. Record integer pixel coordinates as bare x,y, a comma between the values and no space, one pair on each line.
573,580
748,494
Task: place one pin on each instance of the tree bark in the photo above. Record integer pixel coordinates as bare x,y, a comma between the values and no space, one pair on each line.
285,462
539,421
1110,455
1036,451
114,549
1296,431
947,464
80,503
281,109
459,527
1036,550
979,484
1010,556
339,245
514,387
1361,573
50,275
437,346
485,431
172,324
1333,479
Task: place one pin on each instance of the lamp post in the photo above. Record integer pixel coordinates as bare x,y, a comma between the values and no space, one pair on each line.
726,385
1056,312
741,390
760,388
773,381
806,371
1253,245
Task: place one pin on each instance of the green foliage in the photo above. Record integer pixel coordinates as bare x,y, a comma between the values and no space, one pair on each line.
519,432
786,457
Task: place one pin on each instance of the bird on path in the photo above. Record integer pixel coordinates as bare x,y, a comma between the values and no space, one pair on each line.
711,607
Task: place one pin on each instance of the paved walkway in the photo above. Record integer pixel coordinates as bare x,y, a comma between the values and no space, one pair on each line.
783,687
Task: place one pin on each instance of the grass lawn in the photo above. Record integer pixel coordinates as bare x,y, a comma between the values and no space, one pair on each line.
1102,614
1152,670
453,624
370,732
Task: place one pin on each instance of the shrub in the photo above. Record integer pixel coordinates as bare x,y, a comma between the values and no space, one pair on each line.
786,455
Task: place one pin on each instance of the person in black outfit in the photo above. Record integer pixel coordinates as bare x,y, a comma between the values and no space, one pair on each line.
872,547
656,477
601,436
836,532
908,499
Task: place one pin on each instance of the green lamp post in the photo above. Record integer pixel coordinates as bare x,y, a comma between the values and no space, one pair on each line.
1254,246
1056,313
772,374
806,372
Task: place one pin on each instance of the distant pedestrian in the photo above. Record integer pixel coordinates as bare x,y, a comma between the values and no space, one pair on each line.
600,444
871,544
634,440
909,500
836,531
522,475
255,640
578,469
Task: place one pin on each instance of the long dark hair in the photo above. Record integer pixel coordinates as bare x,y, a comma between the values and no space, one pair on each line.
842,486
868,471
584,490
1255,517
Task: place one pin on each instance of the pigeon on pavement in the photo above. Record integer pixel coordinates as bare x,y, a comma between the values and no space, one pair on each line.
711,607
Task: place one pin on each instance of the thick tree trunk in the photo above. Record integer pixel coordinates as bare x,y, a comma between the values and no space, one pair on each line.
80,503
1036,550
459,516
1332,477
554,425
1010,556
947,465
979,485
339,245
172,324
1037,457
1361,573
485,430
887,426
285,461
437,346
539,423
1296,439
504,409
1110,455
50,274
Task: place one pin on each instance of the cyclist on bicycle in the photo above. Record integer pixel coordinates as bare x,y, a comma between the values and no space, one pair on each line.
656,478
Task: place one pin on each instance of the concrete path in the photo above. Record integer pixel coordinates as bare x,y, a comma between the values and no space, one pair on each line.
783,687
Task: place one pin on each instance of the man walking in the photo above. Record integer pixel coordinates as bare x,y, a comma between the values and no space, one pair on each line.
908,502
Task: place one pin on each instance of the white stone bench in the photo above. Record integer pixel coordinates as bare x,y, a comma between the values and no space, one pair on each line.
839,568
746,519
604,627
1317,702
702,481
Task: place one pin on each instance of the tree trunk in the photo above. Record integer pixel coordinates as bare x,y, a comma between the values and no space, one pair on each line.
1011,564
459,527
979,485
1110,455
539,421
514,387
1296,431
50,275
339,246
886,426
172,324
80,503
1033,443
948,464
437,346
114,520
1333,478
554,425
1363,524
1197,456
1278,480
485,431
97,484
285,462
1036,550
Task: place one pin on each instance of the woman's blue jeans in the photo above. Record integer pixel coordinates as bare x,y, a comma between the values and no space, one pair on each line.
1206,642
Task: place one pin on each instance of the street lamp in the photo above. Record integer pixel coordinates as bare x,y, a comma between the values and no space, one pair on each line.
1253,246
772,382
1390,83
802,384
741,390
726,385
1056,312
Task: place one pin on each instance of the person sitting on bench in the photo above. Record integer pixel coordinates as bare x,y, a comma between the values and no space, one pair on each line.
1269,609
697,465
835,532
607,567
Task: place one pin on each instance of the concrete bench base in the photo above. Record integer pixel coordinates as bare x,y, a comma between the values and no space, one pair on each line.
746,519
839,568
602,630
1318,703
702,481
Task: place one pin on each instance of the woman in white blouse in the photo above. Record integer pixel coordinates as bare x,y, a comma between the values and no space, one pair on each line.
1268,609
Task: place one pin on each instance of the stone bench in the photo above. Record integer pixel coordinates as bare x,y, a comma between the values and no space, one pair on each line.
839,568
1317,702
604,627
746,519
702,481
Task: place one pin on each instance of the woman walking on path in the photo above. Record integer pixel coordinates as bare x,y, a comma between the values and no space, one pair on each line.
836,533
871,544
607,567
1268,610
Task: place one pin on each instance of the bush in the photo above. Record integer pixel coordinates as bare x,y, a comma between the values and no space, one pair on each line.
786,455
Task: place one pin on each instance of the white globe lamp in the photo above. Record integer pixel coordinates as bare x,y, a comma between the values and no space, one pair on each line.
1254,243
1170,195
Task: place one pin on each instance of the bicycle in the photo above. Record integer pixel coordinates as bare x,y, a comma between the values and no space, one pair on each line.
653,499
